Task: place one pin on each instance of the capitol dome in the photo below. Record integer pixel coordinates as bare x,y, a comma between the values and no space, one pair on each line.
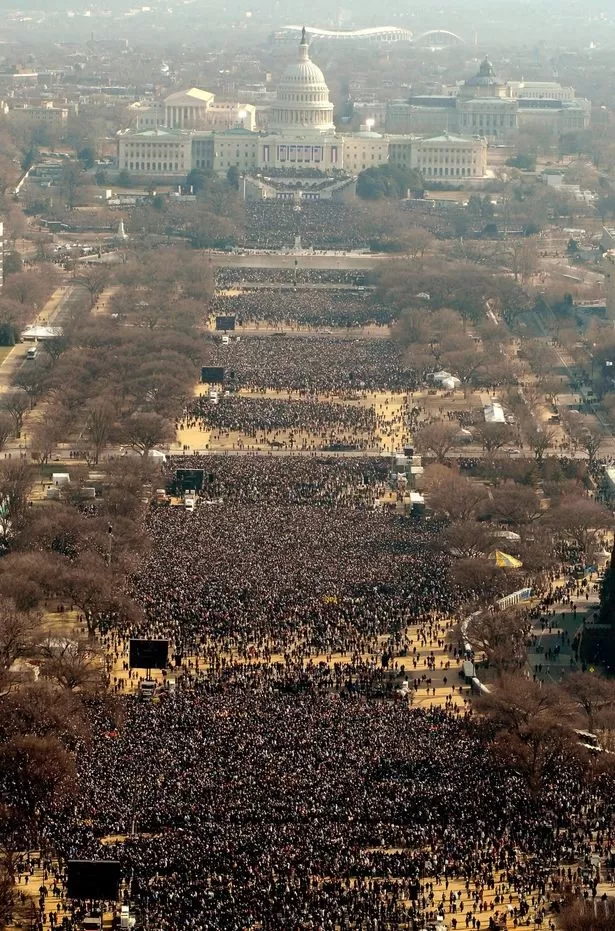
303,96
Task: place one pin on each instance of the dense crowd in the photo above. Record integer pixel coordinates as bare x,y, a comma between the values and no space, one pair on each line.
308,307
233,276
282,787
291,557
317,481
287,800
266,415
443,218
287,783
321,225
314,364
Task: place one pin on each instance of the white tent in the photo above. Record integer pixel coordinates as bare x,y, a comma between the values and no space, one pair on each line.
451,383
445,379
494,413
41,333
507,535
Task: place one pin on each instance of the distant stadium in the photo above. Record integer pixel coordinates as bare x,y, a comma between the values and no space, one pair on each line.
375,34
434,38
437,39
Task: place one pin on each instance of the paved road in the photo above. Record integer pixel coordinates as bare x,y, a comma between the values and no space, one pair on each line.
351,260
370,332
54,312
552,668
313,453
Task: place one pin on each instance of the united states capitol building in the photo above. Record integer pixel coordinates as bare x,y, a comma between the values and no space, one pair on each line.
190,130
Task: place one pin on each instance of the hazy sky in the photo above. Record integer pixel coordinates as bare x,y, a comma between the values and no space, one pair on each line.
555,22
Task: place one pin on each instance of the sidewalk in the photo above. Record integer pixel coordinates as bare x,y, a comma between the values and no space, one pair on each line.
553,655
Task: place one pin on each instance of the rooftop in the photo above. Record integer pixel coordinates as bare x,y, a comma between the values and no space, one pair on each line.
453,139
157,133
192,95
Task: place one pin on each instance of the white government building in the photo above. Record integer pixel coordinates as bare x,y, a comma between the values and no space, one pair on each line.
190,130
494,108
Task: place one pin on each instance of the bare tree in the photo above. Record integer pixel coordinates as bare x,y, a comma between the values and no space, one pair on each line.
493,436
144,432
552,387
453,494
477,580
515,701
501,636
6,429
591,692
42,773
590,437
33,381
416,241
585,432
580,521
437,438
72,664
536,751
94,279
41,709
98,427
15,486
534,723
465,538
514,504
522,257
55,347
91,583
46,436
18,632
16,403
540,439
532,398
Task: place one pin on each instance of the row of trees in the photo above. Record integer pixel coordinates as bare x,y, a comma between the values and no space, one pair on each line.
436,339
535,725
41,724
106,381
540,532
24,294
121,378
108,378
457,285
216,220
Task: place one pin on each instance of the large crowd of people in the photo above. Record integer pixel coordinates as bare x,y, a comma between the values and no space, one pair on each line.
321,225
288,781
291,558
236,276
287,777
305,306
266,797
251,416
314,363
